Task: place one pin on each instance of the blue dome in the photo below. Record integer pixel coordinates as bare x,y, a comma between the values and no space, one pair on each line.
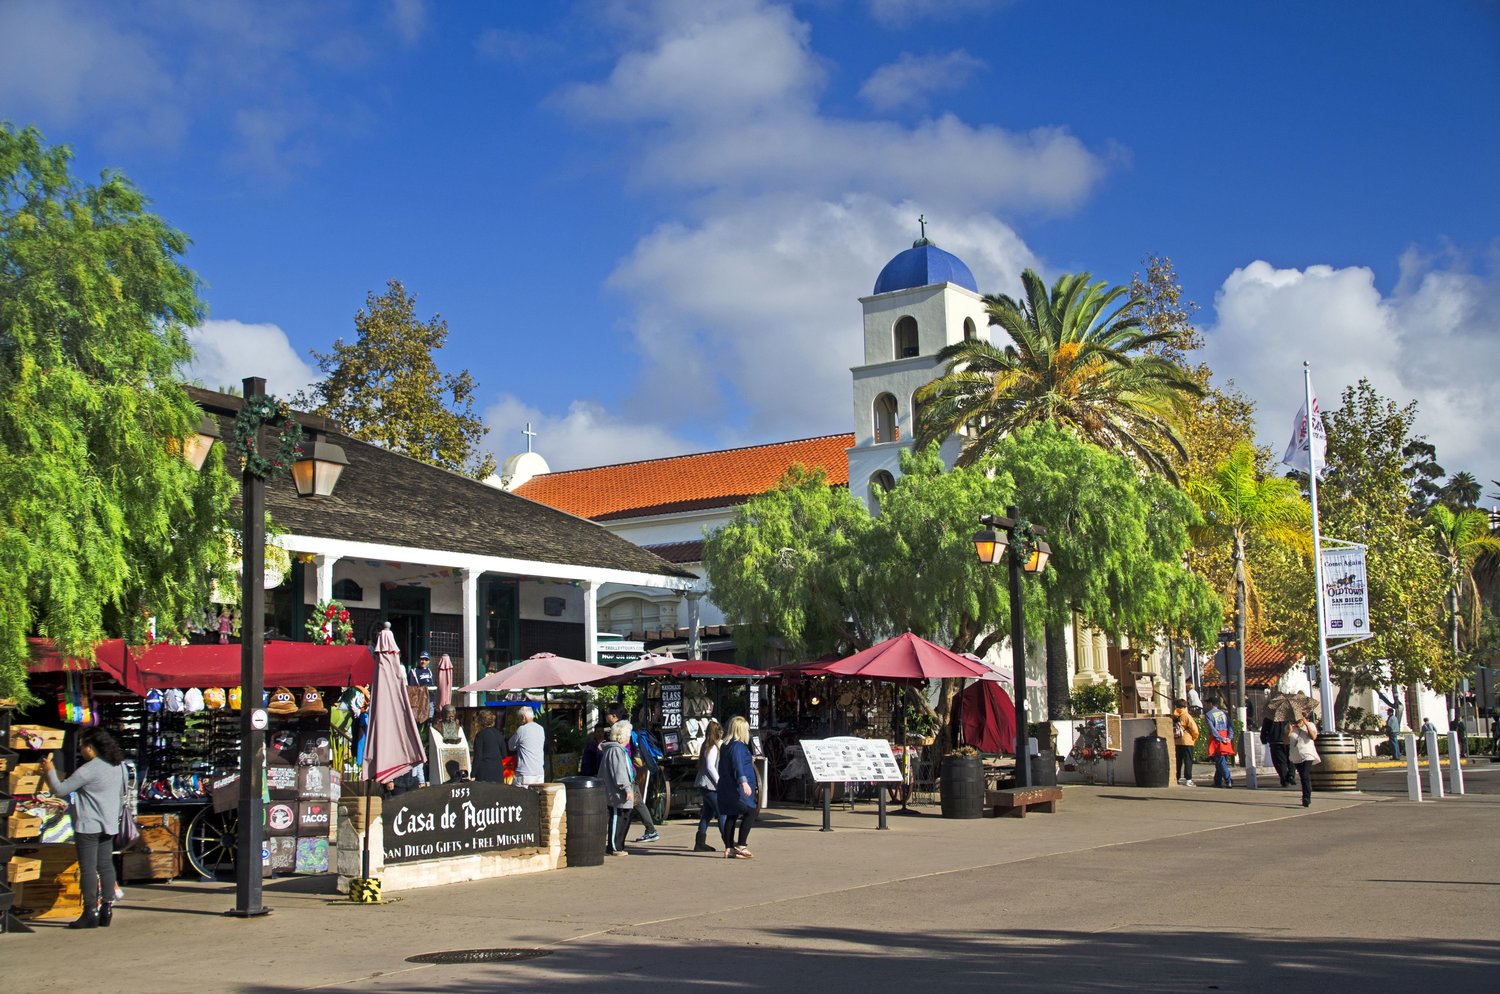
923,265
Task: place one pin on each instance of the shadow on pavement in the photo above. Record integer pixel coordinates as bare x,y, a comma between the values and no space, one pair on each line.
833,959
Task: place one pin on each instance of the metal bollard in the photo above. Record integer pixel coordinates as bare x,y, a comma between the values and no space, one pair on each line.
1247,748
1413,774
1434,766
1455,766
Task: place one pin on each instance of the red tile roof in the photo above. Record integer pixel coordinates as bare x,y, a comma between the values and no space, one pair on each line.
1265,664
682,483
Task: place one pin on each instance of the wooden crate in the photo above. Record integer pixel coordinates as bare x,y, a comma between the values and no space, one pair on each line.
23,826
35,737
55,892
160,855
23,868
24,783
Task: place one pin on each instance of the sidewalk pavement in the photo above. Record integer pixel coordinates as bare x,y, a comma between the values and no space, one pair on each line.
174,937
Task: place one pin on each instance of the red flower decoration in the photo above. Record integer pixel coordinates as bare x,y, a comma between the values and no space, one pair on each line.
343,615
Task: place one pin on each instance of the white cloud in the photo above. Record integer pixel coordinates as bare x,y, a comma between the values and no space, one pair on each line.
408,19
912,79
754,309
713,120
1434,339
586,435
225,352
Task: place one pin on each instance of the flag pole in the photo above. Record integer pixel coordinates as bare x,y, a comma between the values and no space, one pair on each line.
1312,483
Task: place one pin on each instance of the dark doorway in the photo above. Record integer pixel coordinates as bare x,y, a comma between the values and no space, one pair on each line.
408,610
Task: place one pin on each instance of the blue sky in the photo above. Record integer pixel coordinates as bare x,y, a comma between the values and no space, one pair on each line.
647,224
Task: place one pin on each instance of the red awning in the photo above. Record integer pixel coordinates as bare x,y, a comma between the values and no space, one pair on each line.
290,664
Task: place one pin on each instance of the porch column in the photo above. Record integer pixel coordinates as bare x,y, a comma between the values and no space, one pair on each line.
693,596
471,633
324,566
1101,657
590,622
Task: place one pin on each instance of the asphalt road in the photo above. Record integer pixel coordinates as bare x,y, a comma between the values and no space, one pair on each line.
1122,890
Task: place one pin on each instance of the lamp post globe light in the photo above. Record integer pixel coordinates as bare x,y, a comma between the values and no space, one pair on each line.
1021,544
315,471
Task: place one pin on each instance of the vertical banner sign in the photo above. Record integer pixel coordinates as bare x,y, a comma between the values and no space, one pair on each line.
754,705
1346,598
671,705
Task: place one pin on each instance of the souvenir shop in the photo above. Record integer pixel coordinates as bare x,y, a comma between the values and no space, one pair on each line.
175,711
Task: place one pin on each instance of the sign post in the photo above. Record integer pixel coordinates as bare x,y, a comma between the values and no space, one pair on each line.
847,759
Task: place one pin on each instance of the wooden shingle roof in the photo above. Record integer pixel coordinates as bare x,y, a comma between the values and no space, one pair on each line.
682,483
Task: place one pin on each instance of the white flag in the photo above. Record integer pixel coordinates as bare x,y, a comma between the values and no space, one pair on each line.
1297,455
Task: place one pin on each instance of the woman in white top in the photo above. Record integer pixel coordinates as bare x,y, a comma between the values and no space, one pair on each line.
1300,736
708,784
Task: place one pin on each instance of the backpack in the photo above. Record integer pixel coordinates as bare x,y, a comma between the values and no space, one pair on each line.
1176,728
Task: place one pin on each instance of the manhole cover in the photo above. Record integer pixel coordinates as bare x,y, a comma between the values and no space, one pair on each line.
478,955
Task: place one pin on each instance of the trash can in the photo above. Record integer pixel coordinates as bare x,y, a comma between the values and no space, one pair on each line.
961,790
1044,769
587,819
1152,767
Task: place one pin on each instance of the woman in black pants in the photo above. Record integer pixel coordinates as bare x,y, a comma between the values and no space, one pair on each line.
99,789
1300,736
737,790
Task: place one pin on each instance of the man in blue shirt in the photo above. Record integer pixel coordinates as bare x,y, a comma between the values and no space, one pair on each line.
526,745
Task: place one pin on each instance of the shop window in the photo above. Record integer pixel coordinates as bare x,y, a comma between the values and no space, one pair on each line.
906,338
887,427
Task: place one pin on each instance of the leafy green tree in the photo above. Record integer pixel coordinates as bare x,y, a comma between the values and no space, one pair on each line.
1078,358
104,522
1459,538
1118,539
1237,501
1365,497
386,388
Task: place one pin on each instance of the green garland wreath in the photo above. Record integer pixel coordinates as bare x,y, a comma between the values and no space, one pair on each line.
1023,541
265,410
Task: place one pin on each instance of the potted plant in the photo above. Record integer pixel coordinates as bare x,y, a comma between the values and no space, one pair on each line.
961,790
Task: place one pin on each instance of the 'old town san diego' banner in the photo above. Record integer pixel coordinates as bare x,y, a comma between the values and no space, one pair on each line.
1346,598
458,819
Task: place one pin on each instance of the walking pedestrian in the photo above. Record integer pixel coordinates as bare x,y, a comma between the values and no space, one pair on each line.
1393,732
737,790
708,785
640,769
619,786
528,745
1273,736
1185,735
1220,742
1300,736
98,789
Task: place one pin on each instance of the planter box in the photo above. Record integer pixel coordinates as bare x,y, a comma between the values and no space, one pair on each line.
22,868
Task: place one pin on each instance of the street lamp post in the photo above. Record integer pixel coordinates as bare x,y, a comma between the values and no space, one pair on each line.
1026,552
315,471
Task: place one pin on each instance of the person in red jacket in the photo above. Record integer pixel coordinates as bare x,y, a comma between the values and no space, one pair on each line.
1220,742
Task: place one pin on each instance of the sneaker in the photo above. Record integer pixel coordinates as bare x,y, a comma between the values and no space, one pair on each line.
618,852
1181,782
648,837
1188,783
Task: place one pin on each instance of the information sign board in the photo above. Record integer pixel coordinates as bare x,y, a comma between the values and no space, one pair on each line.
850,759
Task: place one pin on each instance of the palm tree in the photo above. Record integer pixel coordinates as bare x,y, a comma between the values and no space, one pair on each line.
1459,538
1076,357
1461,490
1238,502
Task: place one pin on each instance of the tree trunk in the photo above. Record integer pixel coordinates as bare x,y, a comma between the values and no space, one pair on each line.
1058,684
947,728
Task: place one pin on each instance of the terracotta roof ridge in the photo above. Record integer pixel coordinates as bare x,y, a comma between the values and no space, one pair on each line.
699,455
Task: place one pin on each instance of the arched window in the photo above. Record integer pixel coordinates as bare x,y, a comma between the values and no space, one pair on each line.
348,591
970,332
906,338
887,427
880,482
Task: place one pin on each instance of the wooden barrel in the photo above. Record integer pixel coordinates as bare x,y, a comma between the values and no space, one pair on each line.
1339,770
962,788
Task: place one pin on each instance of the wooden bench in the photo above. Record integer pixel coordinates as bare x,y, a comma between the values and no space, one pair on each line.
1015,802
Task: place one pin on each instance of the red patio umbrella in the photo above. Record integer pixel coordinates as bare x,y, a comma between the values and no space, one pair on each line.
540,672
989,717
686,669
906,657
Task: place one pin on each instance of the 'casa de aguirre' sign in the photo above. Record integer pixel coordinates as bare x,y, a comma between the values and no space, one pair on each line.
459,819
